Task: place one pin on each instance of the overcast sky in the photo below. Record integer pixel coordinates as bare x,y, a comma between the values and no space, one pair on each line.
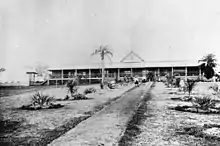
59,32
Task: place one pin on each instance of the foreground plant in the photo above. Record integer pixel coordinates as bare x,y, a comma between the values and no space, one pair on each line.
41,101
89,90
204,103
79,96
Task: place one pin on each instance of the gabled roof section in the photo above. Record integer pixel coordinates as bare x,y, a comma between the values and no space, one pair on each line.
132,57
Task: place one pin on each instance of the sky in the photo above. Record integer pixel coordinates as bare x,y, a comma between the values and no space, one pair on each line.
61,32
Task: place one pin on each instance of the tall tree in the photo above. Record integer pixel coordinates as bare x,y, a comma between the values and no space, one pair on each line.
103,51
209,62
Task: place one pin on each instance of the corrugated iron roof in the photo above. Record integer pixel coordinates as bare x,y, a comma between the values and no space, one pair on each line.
131,65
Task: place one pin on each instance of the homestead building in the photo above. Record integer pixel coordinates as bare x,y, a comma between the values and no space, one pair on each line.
131,65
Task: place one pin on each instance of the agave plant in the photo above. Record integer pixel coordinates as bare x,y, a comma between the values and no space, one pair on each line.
204,103
89,90
79,96
41,99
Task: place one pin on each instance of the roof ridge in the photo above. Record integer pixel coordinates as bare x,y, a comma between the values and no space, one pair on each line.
131,52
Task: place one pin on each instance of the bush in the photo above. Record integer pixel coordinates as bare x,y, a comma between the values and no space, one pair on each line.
204,103
79,96
72,87
41,100
101,85
110,86
214,87
190,84
67,97
169,80
187,98
89,90
177,82
216,90
144,81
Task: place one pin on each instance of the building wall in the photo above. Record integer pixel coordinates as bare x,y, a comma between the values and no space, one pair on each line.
114,73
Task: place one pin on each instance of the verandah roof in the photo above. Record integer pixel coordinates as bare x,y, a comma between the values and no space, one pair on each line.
131,65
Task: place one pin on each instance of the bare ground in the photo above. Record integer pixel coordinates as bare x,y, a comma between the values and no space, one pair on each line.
21,127
163,127
106,126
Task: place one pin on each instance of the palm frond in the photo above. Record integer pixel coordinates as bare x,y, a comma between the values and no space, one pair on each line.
109,58
97,51
108,52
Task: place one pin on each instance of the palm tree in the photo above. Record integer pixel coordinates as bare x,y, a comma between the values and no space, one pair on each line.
208,65
103,51
209,59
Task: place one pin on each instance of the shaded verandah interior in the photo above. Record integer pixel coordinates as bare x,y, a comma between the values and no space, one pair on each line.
89,76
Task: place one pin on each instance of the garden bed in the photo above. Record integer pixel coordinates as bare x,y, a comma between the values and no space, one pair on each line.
209,132
192,109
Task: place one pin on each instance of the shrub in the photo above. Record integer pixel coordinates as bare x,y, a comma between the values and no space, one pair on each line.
214,87
169,79
67,97
101,85
89,90
190,84
177,82
79,96
187,98
204,103
110,86
41,100
72,87
216,90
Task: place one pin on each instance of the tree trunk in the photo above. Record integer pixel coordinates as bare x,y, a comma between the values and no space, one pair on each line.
103,73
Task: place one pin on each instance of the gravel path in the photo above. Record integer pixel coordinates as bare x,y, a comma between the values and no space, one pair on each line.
105,127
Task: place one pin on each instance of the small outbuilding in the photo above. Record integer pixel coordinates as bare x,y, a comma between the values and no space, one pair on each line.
32,76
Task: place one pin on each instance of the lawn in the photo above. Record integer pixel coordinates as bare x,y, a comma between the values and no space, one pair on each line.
14,90
40,127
